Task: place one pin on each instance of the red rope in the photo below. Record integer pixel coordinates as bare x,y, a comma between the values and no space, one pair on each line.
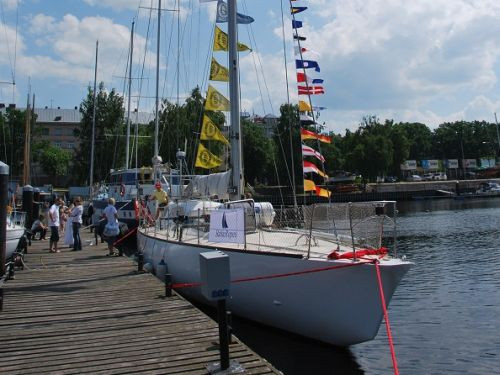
128,234
386,318
190,285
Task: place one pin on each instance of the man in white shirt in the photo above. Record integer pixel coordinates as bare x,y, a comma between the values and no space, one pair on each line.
54,225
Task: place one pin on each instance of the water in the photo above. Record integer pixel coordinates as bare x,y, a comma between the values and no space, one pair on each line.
445,315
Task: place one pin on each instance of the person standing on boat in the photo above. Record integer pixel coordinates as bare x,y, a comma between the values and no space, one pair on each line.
111,230
76,222
54,225
161,197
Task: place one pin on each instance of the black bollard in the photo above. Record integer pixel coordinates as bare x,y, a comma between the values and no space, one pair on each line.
223,336
36,203
229,326
140,261
168,285
28,205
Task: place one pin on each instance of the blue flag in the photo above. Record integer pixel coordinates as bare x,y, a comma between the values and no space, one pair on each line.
296,24
307,64
317,81
222,15
295,10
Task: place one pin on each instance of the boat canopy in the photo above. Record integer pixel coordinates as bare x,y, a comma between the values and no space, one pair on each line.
211,185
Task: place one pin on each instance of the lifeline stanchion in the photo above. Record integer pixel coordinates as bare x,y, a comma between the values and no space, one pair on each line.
386,318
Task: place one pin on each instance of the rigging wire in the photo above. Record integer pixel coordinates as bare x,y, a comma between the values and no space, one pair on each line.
7,42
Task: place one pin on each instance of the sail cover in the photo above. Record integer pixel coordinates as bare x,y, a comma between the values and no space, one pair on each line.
211,185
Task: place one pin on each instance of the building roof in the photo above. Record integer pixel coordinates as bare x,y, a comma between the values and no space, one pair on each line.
73,115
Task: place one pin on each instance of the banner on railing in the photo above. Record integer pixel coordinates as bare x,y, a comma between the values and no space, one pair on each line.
227,226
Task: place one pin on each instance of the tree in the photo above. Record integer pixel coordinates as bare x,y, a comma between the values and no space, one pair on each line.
288,126
54,161
257,153
109,149
12,129
419,137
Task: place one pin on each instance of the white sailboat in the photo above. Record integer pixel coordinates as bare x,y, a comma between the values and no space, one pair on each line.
295,269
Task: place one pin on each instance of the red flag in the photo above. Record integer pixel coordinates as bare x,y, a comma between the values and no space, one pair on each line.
309,151
311,90
309,167
307,134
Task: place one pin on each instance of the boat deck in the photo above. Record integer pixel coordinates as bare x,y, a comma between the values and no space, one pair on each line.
284,241
83,312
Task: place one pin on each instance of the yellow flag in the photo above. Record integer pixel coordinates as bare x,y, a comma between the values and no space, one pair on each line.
304,107
218,72
216,101
205,159
320,192
210,131
309,185
221,42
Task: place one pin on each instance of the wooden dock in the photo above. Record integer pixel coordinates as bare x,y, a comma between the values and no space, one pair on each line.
85,313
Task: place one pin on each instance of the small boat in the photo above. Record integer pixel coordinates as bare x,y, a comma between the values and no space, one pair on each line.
488,188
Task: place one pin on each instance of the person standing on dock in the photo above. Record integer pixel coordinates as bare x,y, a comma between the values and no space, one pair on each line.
76,222
54,225
111,230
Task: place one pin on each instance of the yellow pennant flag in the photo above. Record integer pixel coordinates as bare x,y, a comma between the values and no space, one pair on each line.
304,107
210,131
320,192
216,101
218,72
205,159
309,185
221,42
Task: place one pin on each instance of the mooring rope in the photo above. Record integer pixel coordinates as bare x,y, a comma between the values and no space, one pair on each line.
386,318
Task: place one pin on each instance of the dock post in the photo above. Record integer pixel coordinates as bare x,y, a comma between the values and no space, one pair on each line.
140,261
36,203
223,334
28,205
4,182
229,326
168,285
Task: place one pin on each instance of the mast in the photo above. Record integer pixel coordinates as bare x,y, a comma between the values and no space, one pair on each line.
234,95
127,154
157,119
91,177
27,141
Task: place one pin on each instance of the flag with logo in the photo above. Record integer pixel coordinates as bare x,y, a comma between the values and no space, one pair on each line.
216,101
218,72
205,159
221,42
210,131
222,15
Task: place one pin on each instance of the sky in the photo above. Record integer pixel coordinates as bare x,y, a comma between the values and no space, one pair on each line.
428,61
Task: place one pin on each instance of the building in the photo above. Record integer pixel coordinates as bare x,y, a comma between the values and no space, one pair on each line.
268,123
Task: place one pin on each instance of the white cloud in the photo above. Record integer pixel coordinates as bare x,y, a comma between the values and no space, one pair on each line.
10,4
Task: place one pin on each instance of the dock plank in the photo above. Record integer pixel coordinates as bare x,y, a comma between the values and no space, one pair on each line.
83,312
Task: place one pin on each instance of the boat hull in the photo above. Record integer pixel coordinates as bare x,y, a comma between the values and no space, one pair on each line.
13,236
340,307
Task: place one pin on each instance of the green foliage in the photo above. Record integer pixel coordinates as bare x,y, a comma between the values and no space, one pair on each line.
257,153
109,149
54,161
12,130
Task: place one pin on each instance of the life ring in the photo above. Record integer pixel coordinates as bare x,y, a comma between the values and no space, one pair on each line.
122,190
